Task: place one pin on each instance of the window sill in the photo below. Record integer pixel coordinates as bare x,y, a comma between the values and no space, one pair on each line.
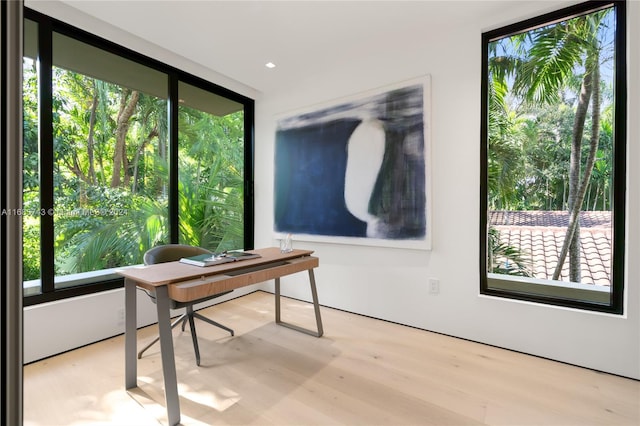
548,289
33,287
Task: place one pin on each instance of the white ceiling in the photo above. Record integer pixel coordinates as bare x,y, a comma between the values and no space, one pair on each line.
237,38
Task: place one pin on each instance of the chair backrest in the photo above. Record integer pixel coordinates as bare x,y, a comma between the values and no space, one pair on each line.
171,252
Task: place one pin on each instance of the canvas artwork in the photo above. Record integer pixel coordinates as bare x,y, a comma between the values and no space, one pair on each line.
356,171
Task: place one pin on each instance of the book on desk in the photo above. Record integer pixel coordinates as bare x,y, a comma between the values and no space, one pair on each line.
218,258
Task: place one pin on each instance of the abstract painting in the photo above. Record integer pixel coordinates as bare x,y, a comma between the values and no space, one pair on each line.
356,170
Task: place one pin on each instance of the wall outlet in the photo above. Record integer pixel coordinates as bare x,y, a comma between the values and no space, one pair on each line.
434,286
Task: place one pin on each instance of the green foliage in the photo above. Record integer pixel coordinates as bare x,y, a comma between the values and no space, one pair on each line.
552,57
113,229
505,259
97,226
535,80
31,247
211,199
30,128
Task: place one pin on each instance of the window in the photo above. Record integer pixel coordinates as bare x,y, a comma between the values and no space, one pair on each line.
122,153
553,158
211,150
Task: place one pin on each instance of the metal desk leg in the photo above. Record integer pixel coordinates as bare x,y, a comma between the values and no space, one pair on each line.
168,360
316,307
316,304
278,321
130,333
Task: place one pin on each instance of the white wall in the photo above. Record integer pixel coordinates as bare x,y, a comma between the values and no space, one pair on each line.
56,327
392,283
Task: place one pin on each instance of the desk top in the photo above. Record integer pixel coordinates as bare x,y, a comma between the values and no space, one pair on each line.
171,272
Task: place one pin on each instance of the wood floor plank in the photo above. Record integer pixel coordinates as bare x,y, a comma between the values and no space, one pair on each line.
361,372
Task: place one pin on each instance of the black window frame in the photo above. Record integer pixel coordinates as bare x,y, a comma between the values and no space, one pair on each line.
513,289
46,27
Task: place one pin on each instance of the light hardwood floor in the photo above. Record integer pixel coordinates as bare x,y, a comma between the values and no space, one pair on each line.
362,372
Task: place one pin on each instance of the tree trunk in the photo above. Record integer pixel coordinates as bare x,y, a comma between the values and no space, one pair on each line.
574,176
152,134
590,88
120,161
92,123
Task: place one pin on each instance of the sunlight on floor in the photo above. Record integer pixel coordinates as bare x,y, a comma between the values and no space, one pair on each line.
221,400
115,408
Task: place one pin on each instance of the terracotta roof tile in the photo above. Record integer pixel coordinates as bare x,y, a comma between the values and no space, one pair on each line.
539,235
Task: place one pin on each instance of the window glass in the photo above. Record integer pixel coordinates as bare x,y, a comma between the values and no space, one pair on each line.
31,163
110,172
211,150
551,138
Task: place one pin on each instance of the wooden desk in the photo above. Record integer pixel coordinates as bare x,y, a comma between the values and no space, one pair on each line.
185,283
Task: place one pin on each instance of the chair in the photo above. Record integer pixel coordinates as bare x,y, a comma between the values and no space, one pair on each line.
169,253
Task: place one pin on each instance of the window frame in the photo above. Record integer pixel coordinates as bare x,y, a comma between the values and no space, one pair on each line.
107,281
504,286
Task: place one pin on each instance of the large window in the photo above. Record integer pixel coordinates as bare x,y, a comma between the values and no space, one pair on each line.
553,158
122,153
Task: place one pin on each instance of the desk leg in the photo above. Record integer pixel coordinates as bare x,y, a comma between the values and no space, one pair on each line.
130,334
168,360
277,285
316,304
316,307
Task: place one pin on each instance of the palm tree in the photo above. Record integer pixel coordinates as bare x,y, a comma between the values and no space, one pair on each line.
556,52
505,259
504,162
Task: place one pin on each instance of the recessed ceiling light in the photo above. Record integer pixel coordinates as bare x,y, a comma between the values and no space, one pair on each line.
270,65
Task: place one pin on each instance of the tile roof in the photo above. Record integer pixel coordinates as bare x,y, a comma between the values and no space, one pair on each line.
540,234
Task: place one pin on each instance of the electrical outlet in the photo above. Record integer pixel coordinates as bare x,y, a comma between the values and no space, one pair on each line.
434,286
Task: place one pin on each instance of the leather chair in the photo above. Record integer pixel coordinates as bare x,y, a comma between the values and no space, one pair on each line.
169,253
